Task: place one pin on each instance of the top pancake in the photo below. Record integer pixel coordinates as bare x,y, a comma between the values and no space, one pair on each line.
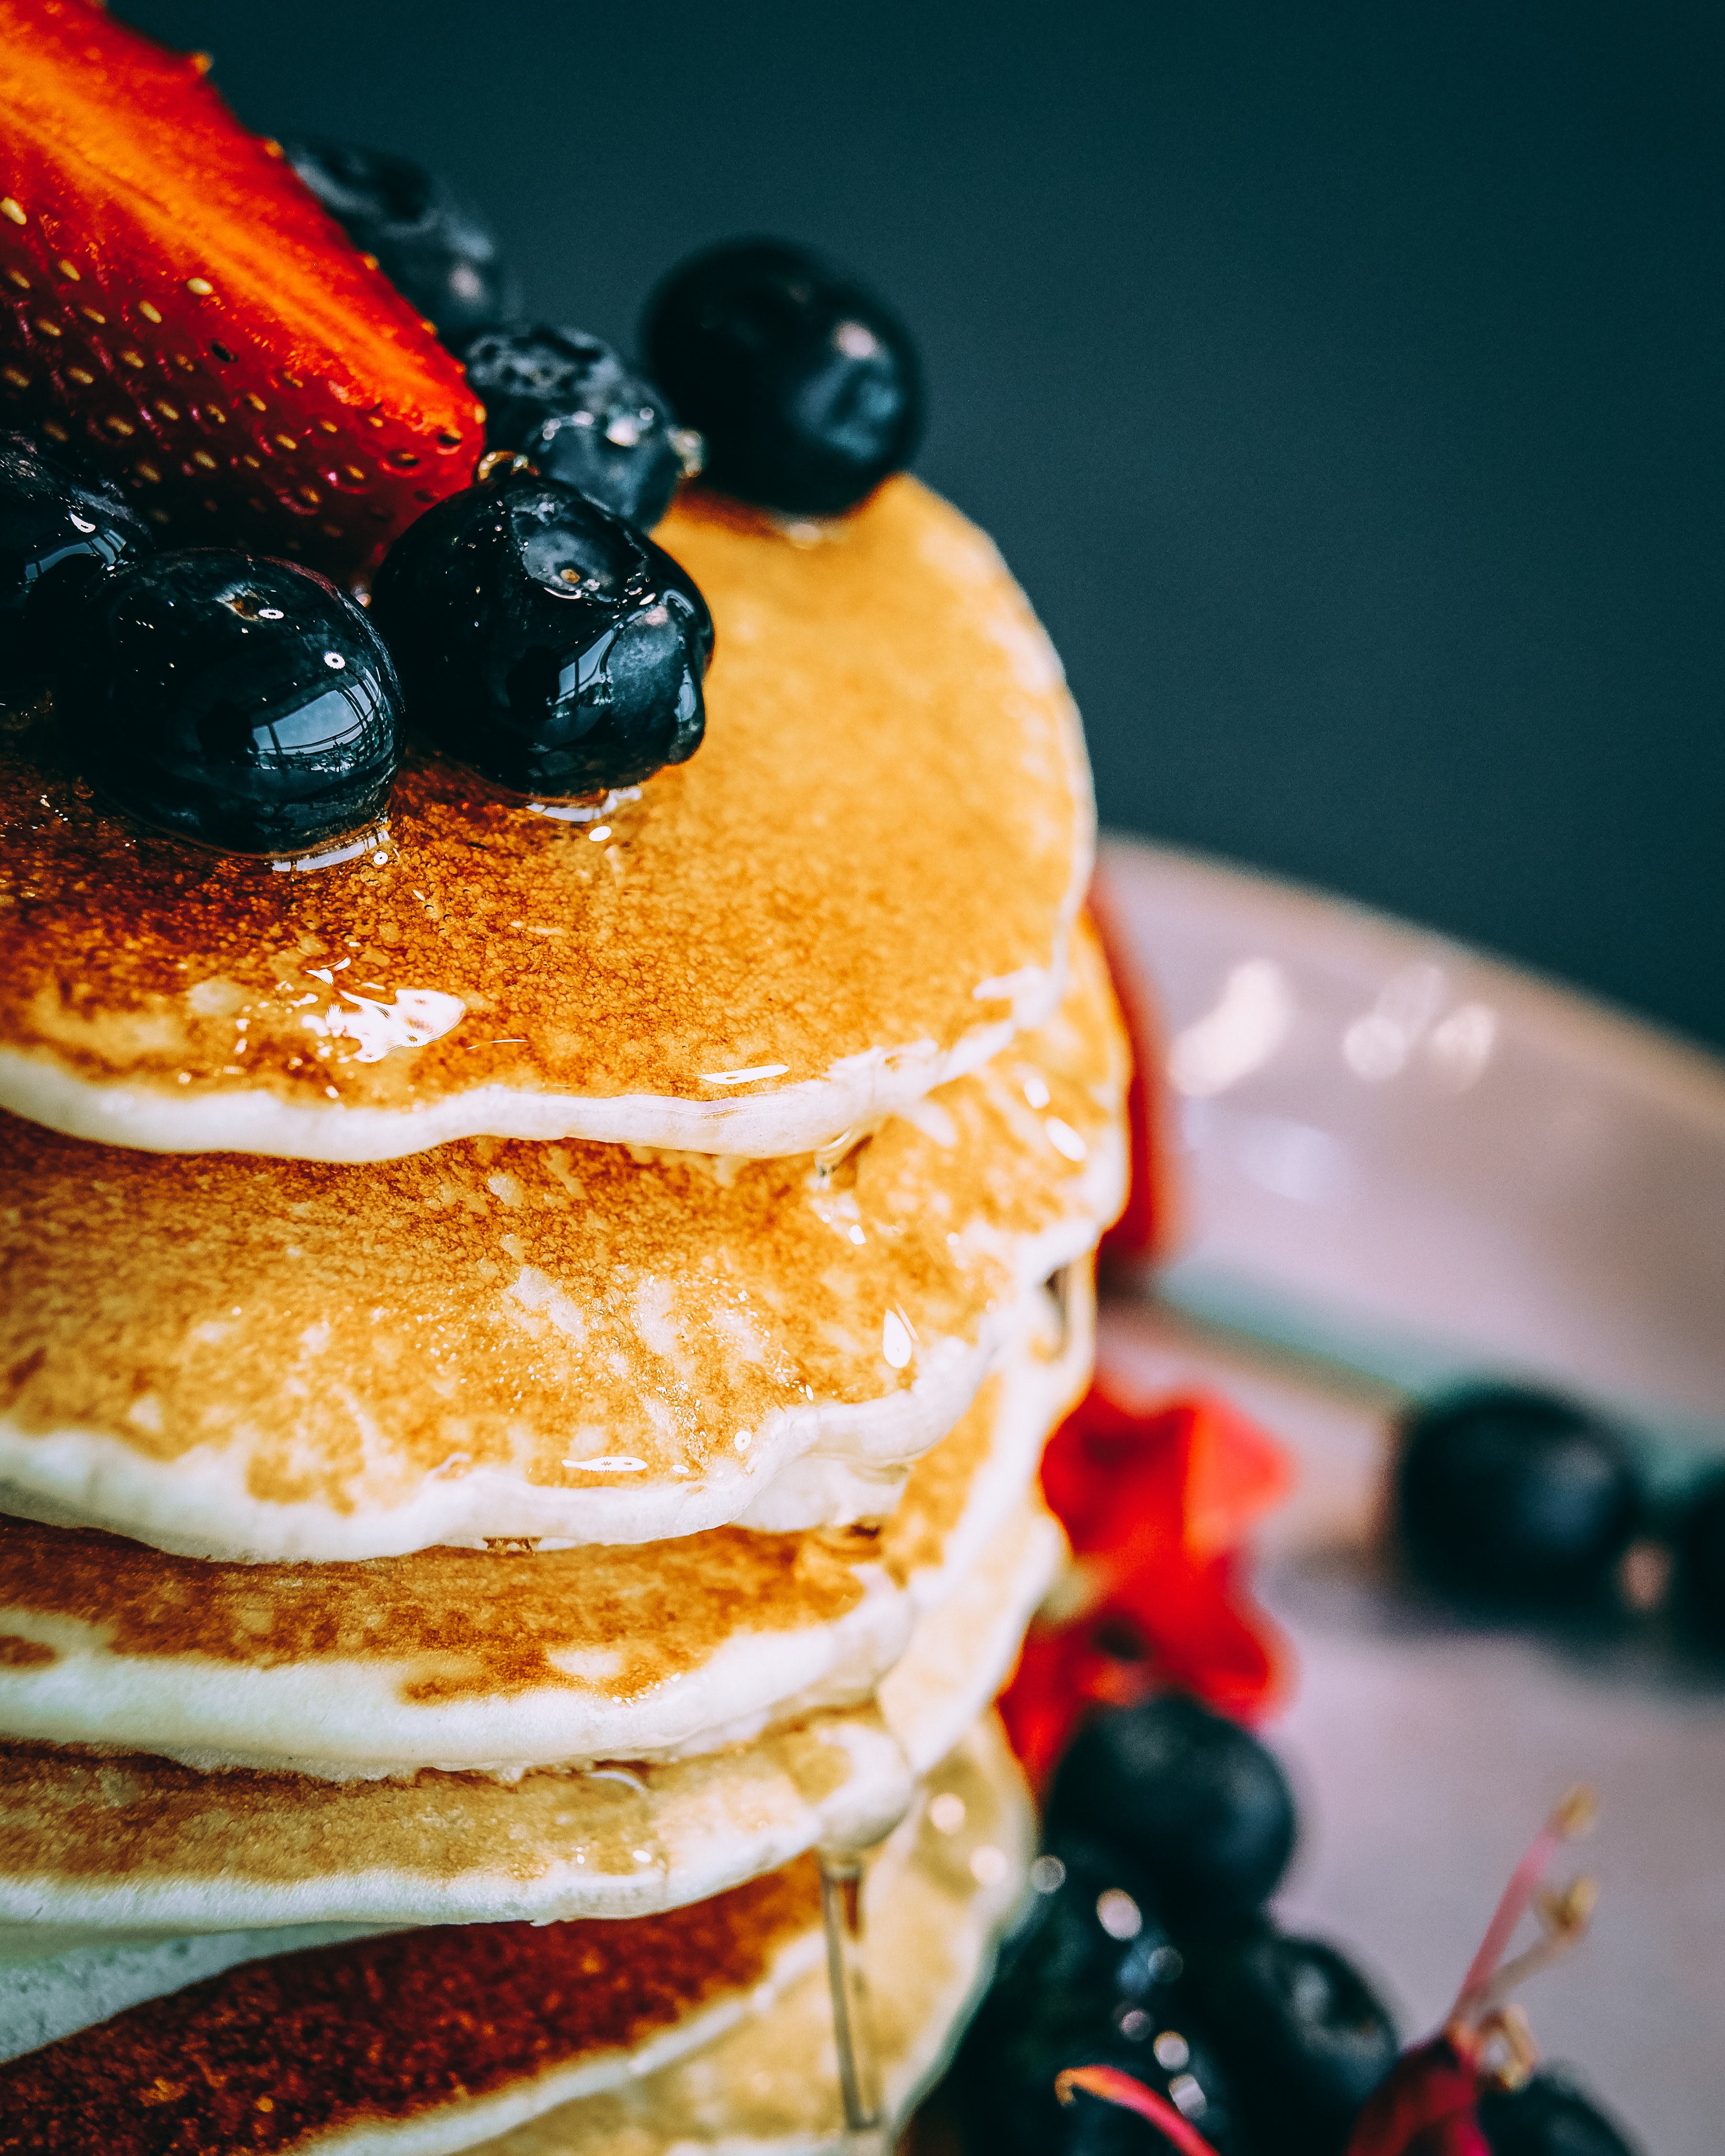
858,889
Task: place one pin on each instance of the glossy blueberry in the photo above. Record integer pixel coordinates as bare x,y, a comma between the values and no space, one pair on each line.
1003,2084
1506,1496
1089,1976
544,641
1089,1934
1303,2035
241,702
58,531
431,242
1549,2117
1195,1799
1007,2100
805,386
567,402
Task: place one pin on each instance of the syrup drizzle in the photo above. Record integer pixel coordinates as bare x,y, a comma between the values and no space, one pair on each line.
841,1876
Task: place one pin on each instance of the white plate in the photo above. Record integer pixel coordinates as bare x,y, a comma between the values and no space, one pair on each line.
1410,1163
1425,1159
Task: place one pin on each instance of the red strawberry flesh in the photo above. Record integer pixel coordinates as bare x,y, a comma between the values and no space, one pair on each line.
181,309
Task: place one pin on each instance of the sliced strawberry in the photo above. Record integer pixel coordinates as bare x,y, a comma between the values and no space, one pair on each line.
183,310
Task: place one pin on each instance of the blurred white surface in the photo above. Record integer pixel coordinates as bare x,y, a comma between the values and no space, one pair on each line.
1420,1156
1418,1163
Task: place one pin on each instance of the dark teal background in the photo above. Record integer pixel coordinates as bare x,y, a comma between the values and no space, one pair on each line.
1344,383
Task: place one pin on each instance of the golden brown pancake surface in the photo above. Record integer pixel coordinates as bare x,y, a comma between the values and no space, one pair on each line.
459,1624
508,1660
127,1842
879,846
390,2031
110,1843
639,1340
491,1623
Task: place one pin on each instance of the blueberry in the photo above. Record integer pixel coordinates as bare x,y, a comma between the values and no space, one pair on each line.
1549,2117
1511,1496
241,702
1088,1977
806,387
58,531
1194,1797
1304,2037
1701,1563
1025,2118
1090,1934
1002,2082
431,242
544,641
566,402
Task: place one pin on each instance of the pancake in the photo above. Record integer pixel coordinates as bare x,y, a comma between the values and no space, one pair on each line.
962,1654
768,2087
959,1496
136,1846
858,889
372,2040
416,2044
462,1658
485,1660
98,1849
230,1357
46,1994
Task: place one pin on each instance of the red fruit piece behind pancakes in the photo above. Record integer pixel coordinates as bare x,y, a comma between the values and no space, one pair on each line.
1150,1225
181,309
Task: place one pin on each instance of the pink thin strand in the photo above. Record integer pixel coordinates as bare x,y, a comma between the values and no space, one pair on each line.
1113,2086
1524,1882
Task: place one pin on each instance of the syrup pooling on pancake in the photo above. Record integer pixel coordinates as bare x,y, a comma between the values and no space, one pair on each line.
474,1659
222,1354
862,882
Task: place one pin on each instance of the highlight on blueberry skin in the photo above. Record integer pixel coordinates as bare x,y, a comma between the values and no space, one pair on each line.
806,387
59,533
1201,1804
567,402
432,244
241,702
1089,1976
1514,1497
544,642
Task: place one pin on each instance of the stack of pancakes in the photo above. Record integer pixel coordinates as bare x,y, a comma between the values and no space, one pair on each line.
522,1368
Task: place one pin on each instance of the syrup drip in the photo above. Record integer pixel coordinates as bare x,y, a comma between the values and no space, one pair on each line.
1058,1288
841,1875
